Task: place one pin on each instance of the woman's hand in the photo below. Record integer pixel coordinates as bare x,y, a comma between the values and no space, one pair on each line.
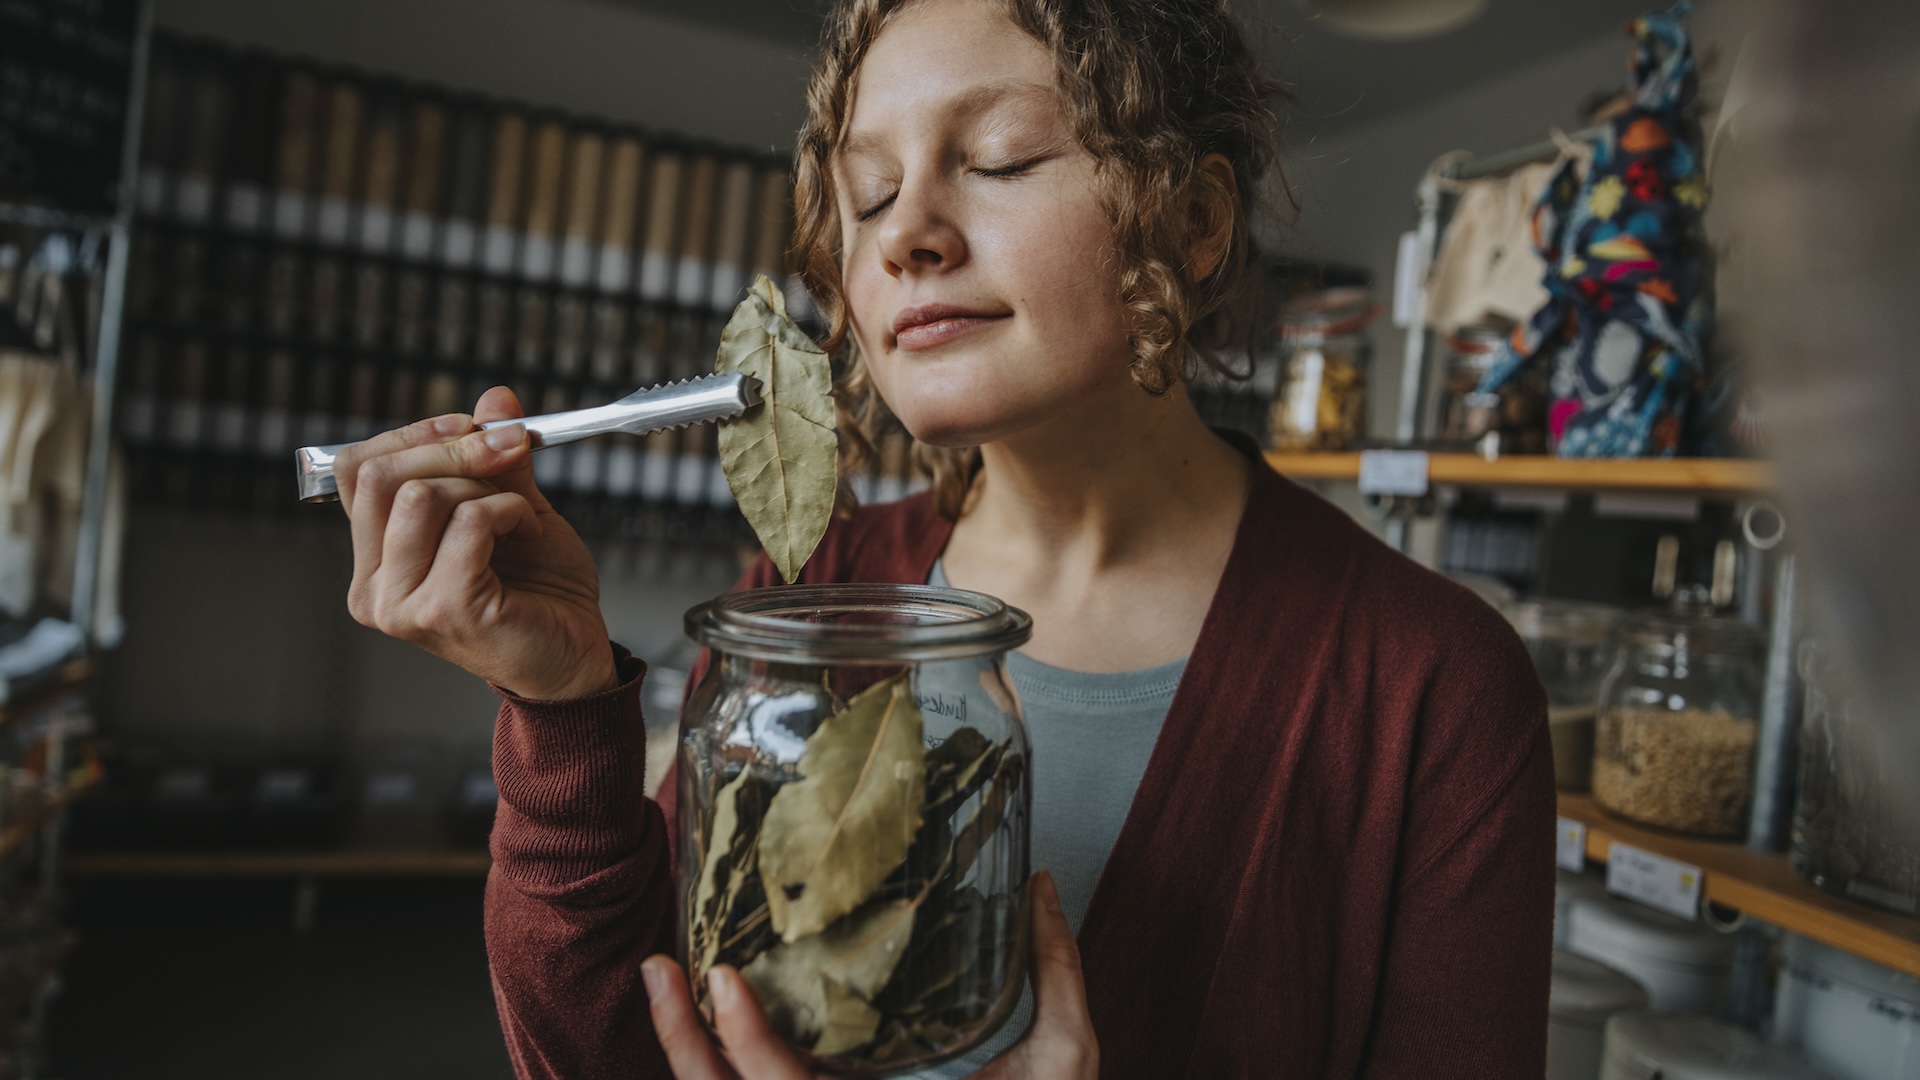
1059,1046
456,550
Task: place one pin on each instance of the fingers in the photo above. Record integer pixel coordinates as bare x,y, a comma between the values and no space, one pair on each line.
498,403
422,525
1059,988
675,1021
755,1050
346,464
477,455
460,565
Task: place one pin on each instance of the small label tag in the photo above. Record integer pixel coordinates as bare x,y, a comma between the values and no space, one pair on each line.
1393,472
1654,880
1570,845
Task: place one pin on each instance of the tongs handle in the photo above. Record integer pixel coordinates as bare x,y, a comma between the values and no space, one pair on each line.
691,401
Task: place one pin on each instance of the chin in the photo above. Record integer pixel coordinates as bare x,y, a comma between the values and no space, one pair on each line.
954,420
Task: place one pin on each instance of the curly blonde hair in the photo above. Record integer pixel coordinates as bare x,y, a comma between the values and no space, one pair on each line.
1152,87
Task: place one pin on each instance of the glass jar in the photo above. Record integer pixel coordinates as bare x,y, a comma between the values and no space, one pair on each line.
854,813
1324,354
1572,645
1856,831
1674,743
1517,411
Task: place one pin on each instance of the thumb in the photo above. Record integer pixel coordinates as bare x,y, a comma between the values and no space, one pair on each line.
501,403
1059,989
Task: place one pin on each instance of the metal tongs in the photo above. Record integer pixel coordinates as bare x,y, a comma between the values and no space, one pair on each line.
690,401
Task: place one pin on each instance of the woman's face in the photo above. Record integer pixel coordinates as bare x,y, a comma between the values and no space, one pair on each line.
979,265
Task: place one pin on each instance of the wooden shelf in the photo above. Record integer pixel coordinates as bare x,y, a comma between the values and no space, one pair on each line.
1763,886
73,675
17,996
350,863
16,835
1705,476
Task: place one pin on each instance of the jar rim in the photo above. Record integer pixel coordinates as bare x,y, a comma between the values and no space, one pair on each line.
797,624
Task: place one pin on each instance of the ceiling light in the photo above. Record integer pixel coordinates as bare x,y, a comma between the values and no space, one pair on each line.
1393,20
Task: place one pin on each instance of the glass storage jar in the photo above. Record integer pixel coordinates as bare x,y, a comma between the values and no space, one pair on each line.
1674,741
1572,645
854,811
1856,830
1324,353
1517,411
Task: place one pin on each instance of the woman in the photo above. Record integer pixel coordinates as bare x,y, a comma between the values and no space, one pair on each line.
1306,830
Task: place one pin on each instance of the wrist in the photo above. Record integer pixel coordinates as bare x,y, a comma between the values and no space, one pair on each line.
597,675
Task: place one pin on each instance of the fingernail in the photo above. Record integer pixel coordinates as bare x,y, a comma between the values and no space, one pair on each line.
721,987
454,424
505,438
1049,894
655,979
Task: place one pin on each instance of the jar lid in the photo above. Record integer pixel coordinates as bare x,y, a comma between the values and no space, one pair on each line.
1681,1046
1870,978
1588,991
865,622
1700,633
1606,926
1548,619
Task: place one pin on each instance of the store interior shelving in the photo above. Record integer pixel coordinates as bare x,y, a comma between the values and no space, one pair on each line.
1762,886
1722,476
340,863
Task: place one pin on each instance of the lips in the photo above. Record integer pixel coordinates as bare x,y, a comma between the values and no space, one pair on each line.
928,325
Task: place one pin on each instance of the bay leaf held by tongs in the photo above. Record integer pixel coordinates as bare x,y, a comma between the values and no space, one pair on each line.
780,456
830,839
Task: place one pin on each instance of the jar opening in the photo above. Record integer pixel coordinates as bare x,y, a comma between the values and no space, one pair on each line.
830,623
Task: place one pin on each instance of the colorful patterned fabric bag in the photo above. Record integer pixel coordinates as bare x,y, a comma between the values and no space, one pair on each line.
1627,281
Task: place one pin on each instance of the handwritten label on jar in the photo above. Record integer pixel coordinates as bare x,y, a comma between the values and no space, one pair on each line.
1654,880
1393,472
1570,845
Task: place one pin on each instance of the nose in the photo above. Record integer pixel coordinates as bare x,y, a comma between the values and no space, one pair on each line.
919,234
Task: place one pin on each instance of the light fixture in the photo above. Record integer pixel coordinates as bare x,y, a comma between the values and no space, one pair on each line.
1393,20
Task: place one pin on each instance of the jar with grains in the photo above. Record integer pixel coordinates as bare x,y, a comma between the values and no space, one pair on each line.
1572,645
1677,727
1517,411
1324,349
854,817
1856,828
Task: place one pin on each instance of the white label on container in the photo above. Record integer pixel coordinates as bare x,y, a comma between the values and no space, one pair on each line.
719,492
281,785
536,257
622,470
151,191
316,428
230,427
656,476
1393,472
729,281
616,268
139,419
1654,880
275,436
690,480
550,469
1570,845
496,251
458,241
290,214
193,199
576,262
246,206
332,221
179,785
656,276
584,474
1303,396
391,789
376,228
691,287
183,424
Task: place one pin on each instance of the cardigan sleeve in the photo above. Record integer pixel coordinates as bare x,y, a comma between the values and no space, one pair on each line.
581,889
1463,994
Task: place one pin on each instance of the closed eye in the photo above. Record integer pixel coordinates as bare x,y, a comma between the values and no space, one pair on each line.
873,211
1007,170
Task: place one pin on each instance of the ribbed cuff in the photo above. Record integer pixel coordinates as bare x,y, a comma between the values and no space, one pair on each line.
571,776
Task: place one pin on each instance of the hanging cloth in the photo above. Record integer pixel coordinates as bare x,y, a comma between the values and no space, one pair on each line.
1487,268
1626,279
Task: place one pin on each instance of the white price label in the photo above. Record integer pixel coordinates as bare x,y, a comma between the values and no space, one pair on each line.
1654,880
1570,845
1393,472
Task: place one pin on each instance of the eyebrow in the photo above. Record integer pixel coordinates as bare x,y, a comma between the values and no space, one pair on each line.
970,104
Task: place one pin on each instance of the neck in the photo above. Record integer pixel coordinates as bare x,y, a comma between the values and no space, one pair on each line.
1073,492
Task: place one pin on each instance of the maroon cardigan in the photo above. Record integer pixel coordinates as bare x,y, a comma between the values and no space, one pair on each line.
1339,862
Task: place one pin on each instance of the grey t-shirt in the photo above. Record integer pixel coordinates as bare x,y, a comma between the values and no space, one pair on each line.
1091,736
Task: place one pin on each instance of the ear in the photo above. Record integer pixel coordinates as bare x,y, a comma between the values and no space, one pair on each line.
1213,203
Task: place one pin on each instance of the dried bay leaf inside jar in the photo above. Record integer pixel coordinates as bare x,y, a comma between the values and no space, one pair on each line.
853,817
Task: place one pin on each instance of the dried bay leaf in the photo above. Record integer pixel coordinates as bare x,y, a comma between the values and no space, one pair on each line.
780,456
830,839
818,991
729,869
